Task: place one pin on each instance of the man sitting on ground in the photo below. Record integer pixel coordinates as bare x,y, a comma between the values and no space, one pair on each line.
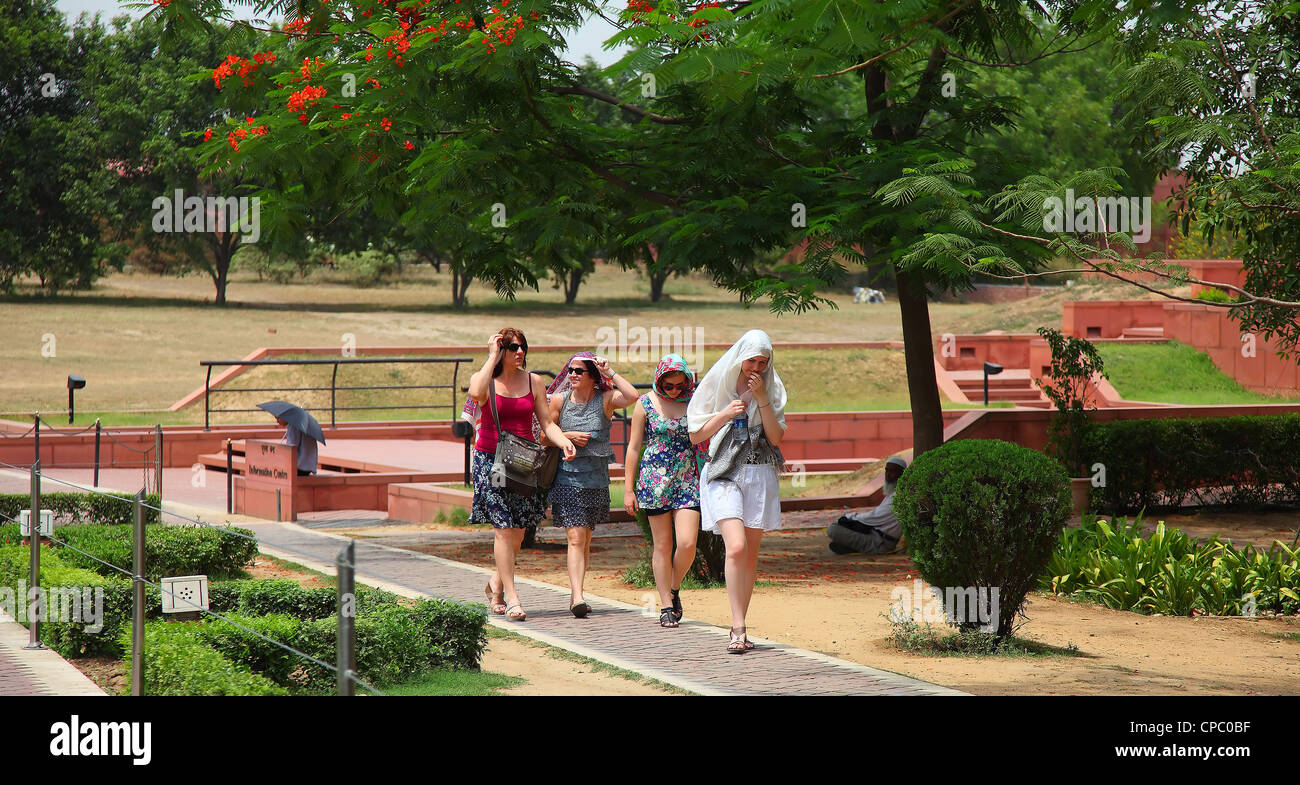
873,531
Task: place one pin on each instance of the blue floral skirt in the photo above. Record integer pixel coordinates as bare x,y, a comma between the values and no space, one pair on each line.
501,507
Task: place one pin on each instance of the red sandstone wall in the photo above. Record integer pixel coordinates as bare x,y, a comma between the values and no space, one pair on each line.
1214,332
1109,318
972,351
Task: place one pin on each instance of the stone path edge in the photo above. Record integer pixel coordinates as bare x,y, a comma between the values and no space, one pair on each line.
675,681
45,666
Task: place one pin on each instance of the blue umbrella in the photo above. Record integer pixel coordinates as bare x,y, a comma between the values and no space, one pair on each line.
295,416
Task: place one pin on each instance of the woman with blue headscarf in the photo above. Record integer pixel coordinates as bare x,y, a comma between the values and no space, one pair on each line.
667,482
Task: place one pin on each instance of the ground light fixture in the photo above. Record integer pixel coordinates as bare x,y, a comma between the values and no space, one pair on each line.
74,383
990,369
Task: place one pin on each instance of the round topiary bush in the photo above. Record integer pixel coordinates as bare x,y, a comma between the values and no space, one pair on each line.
983,515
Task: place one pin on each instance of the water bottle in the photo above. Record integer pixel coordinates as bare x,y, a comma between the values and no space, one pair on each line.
742,423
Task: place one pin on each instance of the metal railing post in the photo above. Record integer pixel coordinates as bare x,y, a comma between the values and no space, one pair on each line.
207,406
347,638
34,519
158,462
37,433
230,478
334,377
98,428
137,611
278,515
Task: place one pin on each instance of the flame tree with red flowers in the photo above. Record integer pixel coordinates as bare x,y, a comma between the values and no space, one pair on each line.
743,126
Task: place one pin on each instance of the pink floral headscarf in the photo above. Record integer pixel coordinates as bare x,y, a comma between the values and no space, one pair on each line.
561,384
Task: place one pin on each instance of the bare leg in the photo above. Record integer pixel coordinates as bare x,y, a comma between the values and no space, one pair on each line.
505,548
733,536
753,538
687,525
661,557
579,551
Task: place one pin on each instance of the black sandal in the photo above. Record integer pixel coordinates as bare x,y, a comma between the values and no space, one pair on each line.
580,610
666,618
677,604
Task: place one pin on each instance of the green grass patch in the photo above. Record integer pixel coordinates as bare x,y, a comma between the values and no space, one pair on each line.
1173,373
458,683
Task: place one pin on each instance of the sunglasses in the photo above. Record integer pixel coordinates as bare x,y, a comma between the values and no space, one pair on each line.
514,347
666,386
578,371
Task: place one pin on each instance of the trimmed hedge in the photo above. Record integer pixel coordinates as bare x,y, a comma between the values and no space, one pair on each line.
288,597
95,508
1243,461
71,639
179,661
983,514
169,550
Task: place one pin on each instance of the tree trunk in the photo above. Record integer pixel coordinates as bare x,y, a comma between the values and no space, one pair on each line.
922,387
571,284
223,250
459,285
657,286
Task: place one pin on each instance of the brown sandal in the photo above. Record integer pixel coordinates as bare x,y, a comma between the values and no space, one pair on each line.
516,615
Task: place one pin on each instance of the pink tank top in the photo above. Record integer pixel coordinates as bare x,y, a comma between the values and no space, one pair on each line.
516,417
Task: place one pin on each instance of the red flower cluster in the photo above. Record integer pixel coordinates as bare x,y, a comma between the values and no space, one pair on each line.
296,29
207,135
305,97
308,67
409,146
702,22
639,6
386,124
373,82
238,66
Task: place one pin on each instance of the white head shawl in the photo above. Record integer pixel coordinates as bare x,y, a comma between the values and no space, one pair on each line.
718,387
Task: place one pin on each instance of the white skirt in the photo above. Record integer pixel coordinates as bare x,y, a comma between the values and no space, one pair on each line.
755,498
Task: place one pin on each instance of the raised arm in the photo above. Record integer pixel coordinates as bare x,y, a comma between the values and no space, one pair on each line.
480,384
715,423
625,394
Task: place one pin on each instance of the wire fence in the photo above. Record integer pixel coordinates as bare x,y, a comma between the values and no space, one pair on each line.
150,463
344,668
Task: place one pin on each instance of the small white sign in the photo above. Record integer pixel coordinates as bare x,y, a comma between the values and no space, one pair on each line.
184,593
46,525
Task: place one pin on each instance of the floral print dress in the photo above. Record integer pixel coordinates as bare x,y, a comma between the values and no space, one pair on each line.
668,478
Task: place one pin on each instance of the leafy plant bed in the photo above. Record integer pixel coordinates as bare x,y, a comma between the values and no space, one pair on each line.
1170,573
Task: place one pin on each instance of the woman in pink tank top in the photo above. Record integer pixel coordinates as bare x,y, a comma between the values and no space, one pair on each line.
520,396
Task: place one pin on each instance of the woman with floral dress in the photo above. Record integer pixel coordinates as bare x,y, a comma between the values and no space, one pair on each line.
667,483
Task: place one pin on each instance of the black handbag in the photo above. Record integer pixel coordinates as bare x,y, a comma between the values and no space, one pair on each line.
521,465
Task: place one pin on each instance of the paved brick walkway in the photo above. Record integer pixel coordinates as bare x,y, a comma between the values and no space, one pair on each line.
36,672
692,656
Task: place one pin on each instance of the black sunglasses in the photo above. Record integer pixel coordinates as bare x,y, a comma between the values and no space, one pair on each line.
514,347
579,371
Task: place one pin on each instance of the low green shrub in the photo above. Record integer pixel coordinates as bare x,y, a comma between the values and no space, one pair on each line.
95,508
1170,573
256,653
1163,464
179,661
286,596
71,638
984,515
169,550
1214,295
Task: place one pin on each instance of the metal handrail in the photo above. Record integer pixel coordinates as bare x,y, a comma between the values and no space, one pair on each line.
209,390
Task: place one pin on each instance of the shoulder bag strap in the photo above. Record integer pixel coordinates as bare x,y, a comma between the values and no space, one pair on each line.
492,399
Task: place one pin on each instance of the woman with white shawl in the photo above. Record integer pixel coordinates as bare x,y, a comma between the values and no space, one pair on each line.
739,407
